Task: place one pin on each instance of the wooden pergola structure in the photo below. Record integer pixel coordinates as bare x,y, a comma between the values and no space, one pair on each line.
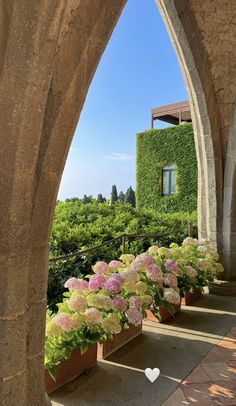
174,113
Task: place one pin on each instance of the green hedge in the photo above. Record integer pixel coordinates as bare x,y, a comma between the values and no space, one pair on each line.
157,149
78,226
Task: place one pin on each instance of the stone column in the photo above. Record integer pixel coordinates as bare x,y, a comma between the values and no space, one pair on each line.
211,85
29,33
227,283
47,400
49,51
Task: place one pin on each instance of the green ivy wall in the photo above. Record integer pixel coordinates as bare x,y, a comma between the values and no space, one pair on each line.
157,149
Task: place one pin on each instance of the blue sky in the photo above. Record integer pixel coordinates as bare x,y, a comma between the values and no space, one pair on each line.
138,71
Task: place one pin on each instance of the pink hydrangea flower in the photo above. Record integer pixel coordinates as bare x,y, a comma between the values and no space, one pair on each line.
72,283
93,315
135,301
134,316
142,261
171,265
113,285
101,267
96,281
119,303
77,303
64,321
115,264
202,264
154,273
170,280
118,277
148,259
83,285
202,249
171,296
76,284
138,264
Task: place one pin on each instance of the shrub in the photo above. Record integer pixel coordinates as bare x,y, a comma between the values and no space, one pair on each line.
78,226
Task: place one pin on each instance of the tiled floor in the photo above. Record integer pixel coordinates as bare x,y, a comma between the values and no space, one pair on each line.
213,381
192,345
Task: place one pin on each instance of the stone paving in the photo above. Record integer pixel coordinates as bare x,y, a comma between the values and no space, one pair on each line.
197,363
213,381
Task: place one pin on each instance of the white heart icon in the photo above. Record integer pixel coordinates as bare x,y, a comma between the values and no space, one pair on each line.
152,374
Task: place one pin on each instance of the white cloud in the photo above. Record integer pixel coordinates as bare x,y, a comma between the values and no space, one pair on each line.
120,157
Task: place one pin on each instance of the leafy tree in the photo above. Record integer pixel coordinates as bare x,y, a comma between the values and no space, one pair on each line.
72,199
87,199
121,197
114,195
100,198
130,197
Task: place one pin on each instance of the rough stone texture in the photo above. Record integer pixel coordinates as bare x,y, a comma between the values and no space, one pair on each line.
49,51
223,288
192,59
203,33
47,400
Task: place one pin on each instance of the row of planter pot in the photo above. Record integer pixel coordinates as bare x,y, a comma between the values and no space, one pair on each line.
79,363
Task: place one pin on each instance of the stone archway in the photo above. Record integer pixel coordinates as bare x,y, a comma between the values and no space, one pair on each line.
202,33
229,214
49,53
202,103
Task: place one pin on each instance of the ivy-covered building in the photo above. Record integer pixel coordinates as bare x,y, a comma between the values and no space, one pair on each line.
166,163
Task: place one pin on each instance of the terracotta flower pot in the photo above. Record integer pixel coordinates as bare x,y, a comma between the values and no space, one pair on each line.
70,369
191,297
165,314
119,340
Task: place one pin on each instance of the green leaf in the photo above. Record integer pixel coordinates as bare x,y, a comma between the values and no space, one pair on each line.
84,348
52,372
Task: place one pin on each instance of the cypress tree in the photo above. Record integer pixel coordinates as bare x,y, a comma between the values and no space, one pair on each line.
121,197
100,198
130,197
114,196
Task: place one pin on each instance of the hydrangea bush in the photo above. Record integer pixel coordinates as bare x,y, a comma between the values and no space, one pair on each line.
94,310
194,263
117,295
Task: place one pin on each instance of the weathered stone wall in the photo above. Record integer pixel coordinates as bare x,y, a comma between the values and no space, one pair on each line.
203,33
49,51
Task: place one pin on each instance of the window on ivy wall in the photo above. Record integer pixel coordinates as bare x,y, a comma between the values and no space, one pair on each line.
168,181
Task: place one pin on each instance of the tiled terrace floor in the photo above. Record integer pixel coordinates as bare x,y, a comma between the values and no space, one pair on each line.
198,366
213,381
